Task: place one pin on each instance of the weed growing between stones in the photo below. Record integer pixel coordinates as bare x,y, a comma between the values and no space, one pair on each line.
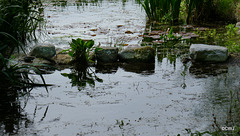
80,51
81,74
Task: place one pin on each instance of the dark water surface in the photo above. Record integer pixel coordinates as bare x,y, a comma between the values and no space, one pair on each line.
163,98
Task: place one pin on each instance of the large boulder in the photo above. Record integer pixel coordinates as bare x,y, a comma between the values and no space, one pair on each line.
107,54
208,53
43,51
137,54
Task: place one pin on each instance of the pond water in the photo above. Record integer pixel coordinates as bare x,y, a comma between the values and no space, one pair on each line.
163,98
108,23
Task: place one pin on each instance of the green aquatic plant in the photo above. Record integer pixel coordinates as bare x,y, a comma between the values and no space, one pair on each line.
81,74
80,51
171,36
120,124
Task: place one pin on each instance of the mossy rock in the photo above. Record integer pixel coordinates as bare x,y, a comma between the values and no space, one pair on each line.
43,51
106,54
144,54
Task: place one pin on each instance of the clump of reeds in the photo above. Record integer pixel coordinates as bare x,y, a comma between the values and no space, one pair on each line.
195,10
19,20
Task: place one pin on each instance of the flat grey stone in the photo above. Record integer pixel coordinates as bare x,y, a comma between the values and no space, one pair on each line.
208,53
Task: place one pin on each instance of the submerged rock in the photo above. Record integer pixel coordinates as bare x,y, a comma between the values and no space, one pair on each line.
42,61
43,51
137,54
208,53
62,59
107,54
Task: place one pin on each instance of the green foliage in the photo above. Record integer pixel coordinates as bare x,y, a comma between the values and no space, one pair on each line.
211,10
191,10
15,76
170,36
233,42
80,51
81,74
162,10
228,38
19,20
231,30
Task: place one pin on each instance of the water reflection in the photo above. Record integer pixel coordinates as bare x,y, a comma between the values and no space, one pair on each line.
81,76
12,117
107,68
200,69
140,68
221,100
79,3
171,54
60,3
82,3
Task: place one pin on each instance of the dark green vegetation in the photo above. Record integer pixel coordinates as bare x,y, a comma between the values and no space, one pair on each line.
19,21
227,37
189,10
180,37
80,51
162,10
81,74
